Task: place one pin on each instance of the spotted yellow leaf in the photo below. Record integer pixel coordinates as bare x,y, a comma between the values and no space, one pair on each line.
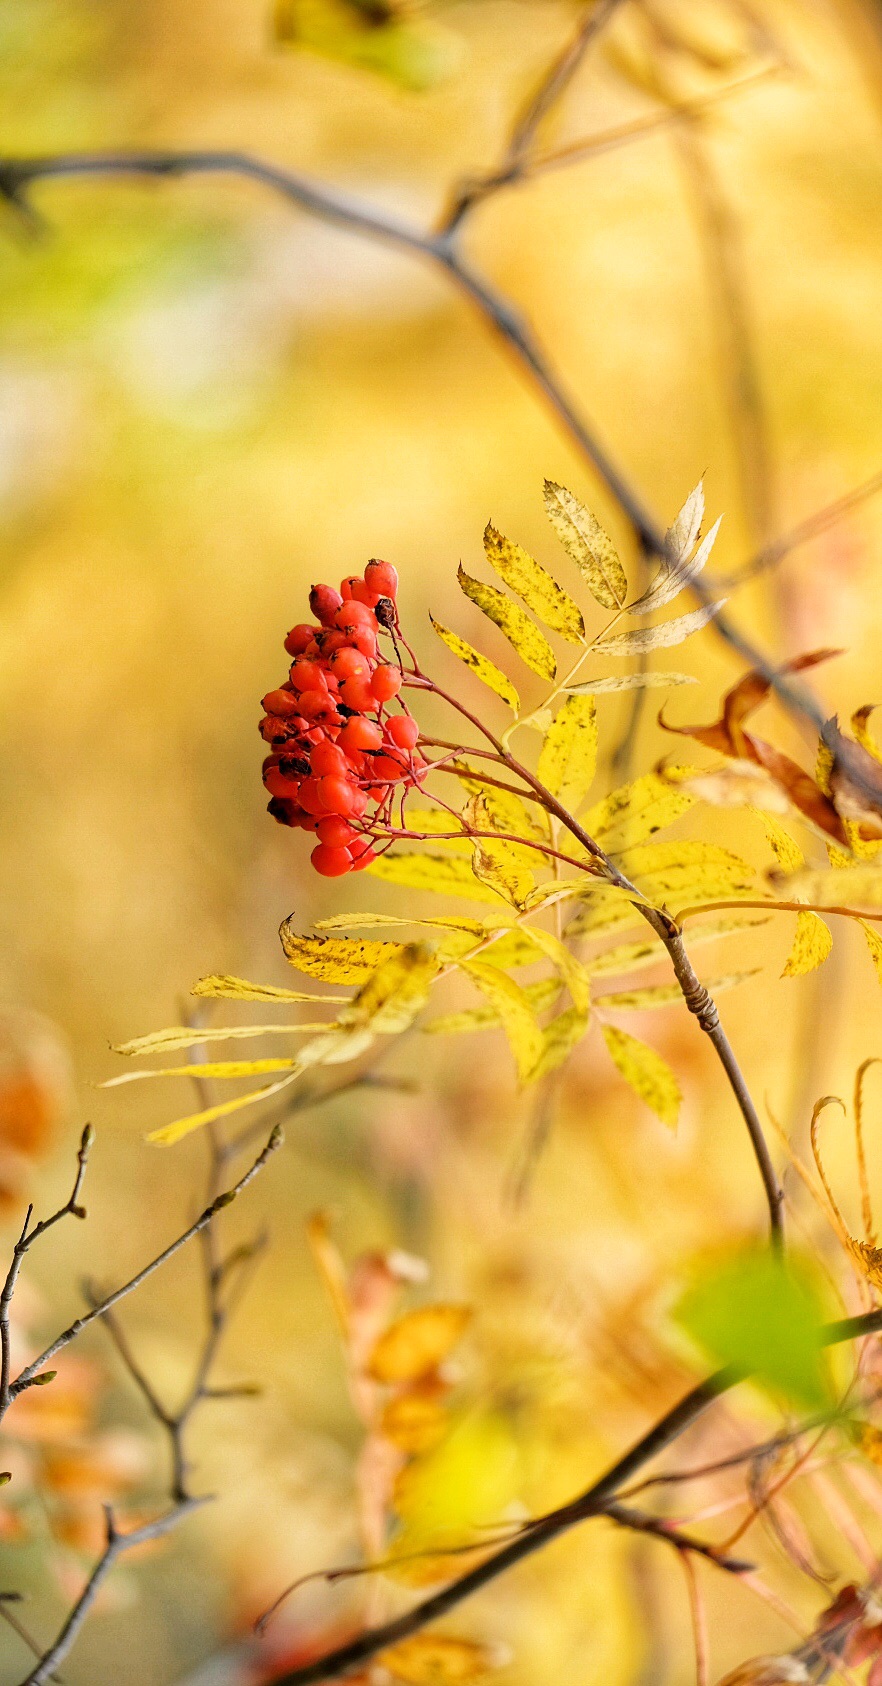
590,547
221,1069
646,1072
395,993
220,986
523,634
568,758
534,585
186,1036
446,875
516,1013
482,667
634,812
539,996
559,1038
168,1134
348,960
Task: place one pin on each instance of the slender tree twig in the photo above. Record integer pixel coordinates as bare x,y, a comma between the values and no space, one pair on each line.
590,1503
117,1544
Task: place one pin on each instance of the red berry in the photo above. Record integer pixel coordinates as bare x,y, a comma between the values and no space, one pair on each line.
310,798
324,602
306,675
392,766
381,577
349,664
362,593
386,683
299,637
365,642
335,831
348,585
281,702
354,617
317,705
285,812
361,853
331,863
403,730
360,735
278,785
356,694
336,793
273,729
327,758
359,802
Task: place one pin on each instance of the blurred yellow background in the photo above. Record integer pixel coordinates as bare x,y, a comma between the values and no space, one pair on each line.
207,401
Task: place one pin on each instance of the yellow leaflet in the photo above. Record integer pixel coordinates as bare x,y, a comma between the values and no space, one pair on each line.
572,971
874,944
514,947
632,957
464,1484
184,1036
661,637
217,1068
485,813
686,526
390,1000
559,1038
568,758
481,666
811,945
649,680
500,864
539,995
515,1011
844,886
433,821
534,585
604,913
635,811
523,635
786,850
648,1074
349,960
170,1133
415,1344
708,870
590,547
431,1659
667,995
353,921
823,767
223,987
447,875
670,581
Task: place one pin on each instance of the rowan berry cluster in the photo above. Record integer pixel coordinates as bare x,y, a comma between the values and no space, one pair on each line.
338,755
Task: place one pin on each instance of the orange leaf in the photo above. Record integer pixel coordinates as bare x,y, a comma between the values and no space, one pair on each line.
418,1342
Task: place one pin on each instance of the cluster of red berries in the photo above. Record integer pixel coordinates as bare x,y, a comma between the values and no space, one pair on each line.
336,750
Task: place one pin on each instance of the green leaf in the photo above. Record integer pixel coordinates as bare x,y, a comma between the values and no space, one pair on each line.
481,666
523,635
590,547
534,585
756,1311
568,759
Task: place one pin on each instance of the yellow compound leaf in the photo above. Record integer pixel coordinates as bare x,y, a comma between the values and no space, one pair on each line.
647,1073
590,547
812,944
185,1036
481,666
523,634
661,637
847,885
415,1421
568,758
559,1038
435,822
446,875
436,1660
507,810
701,871
635,812
415,1344
347,960
632,957
216,1068
516,1013
500,865
220,986
395,993
539,995
534,585
170,1133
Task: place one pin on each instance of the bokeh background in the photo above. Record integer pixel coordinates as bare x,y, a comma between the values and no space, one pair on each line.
207,401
